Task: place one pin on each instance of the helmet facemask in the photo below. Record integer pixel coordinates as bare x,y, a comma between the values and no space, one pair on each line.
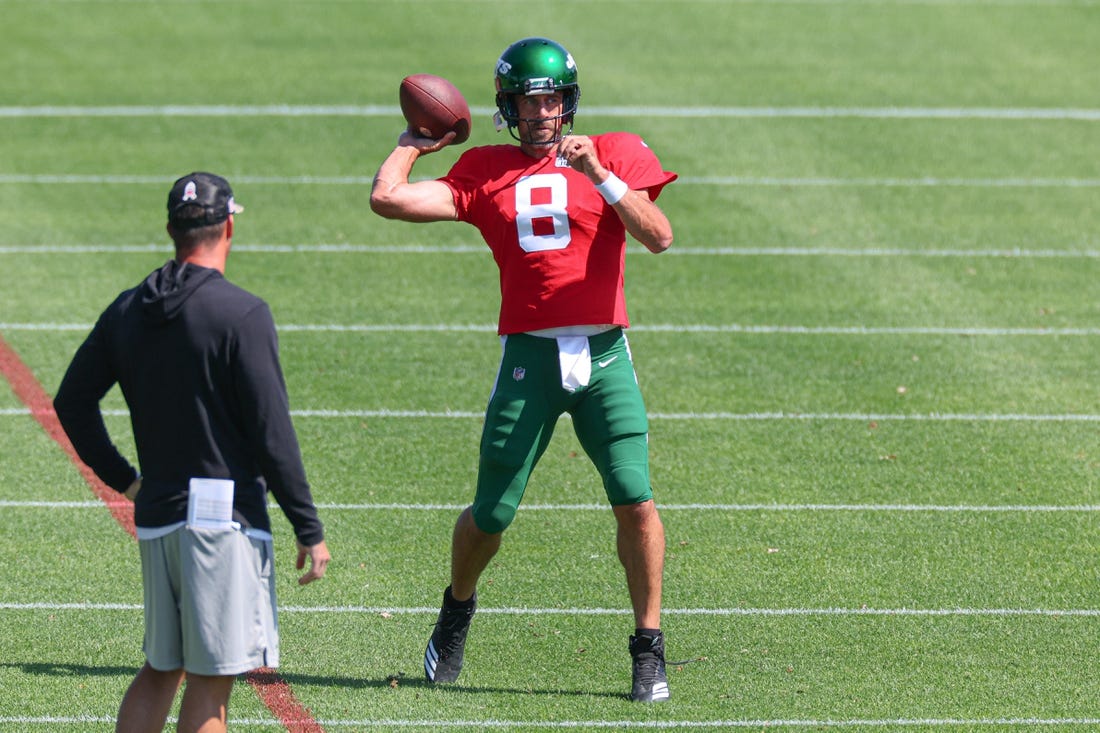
508,115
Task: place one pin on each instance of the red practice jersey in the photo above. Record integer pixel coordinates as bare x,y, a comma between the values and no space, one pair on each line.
559,246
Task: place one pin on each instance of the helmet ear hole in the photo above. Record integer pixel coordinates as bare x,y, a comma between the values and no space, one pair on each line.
569,103
506,104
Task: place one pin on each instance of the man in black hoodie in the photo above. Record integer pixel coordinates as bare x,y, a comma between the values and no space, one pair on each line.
197,361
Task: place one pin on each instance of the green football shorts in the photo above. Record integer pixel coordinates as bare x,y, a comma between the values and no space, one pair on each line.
609,418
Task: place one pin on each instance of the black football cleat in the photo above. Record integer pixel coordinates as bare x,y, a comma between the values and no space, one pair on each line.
443,657
650,682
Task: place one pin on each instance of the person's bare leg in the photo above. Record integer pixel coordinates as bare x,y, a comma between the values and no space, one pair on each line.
471,551
641,546
145,705
641,542
205,704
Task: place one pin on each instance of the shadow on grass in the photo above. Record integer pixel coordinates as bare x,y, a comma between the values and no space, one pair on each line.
55,669
398,681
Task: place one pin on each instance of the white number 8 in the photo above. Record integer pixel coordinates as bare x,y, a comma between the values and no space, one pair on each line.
549,212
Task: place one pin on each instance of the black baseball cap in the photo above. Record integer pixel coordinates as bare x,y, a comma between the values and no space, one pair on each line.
200,199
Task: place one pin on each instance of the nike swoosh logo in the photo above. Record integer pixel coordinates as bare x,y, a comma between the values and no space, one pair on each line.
607,361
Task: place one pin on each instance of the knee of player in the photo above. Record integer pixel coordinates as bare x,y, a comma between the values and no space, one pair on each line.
628,486
494,518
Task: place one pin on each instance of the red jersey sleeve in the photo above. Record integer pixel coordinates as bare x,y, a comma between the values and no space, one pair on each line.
627,156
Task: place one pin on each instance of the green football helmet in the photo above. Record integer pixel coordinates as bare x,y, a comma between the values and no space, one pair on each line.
535,66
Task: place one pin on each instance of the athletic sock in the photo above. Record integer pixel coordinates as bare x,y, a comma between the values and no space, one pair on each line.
450,602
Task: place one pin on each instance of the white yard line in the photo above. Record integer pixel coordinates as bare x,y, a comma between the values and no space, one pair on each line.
738,328
374,110
477,249
699,506
536,611
794,182
680,416
888,3
672,724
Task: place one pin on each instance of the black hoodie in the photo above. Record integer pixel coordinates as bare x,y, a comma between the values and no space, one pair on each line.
197,360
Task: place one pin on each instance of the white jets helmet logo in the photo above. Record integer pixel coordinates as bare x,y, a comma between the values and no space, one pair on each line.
503,67
189,193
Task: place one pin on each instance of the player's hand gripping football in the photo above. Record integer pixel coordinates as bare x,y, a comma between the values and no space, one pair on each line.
424,145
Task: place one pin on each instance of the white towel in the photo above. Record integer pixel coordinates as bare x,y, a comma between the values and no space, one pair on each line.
576,362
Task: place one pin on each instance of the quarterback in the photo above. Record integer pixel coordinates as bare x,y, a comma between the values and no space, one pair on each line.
555,211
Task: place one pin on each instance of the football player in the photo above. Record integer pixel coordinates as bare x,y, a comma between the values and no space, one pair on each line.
555,211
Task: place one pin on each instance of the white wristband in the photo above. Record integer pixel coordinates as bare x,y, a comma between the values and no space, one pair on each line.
613,189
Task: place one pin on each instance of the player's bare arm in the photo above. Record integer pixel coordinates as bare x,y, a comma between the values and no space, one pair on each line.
392,195
642,218
645,221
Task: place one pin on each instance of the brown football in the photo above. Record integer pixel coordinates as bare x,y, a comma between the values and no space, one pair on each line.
433,107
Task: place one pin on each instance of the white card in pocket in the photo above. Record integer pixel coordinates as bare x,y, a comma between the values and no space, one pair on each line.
210,504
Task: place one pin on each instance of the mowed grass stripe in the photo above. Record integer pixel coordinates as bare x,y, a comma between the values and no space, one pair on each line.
462,290
427,462
715,560
999,218
689,376
779,668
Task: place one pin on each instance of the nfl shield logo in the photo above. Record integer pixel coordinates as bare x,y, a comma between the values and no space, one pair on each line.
519,373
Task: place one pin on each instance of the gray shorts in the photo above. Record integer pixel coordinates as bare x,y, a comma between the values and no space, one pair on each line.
209,602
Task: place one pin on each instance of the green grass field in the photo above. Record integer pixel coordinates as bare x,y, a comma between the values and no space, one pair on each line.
869,358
